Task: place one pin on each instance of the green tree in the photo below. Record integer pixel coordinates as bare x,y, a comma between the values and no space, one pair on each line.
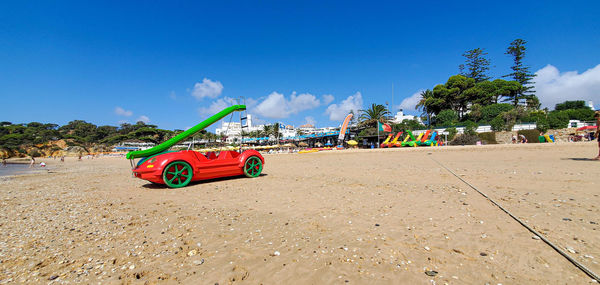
521,73
408,125
446,118
424,105
558,120
275,131
452,131
471,128
497,123
571,105
542,124
488,113
452,95
374,114
476,64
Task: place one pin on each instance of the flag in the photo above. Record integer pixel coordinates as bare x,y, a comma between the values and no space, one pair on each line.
344,127
384,127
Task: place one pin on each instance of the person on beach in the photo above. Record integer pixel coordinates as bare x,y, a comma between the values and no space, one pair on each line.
4,162
32,162
514,139
523,138
597,117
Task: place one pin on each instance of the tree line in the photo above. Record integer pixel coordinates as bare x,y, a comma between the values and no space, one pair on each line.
16,137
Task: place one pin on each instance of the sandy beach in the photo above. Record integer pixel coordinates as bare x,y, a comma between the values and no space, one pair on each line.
390,216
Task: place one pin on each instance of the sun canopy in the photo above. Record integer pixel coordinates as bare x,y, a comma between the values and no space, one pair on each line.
587,128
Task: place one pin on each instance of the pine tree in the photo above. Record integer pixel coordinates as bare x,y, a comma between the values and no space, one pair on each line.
476,64
521,74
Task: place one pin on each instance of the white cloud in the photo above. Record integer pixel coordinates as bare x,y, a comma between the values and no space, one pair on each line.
408,104
122,112
144,119
327,98
339,112
554,87
277,106
310,120
207,88
216,106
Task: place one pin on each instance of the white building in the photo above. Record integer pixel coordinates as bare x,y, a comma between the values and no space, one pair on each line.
401,117
233,130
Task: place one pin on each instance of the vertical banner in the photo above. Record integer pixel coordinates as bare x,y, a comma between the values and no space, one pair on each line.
344,127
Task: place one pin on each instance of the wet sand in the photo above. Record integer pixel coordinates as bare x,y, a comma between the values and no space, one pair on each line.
337,217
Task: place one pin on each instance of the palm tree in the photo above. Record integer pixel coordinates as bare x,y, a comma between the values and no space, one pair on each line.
374,114
424,104
266,130
275,130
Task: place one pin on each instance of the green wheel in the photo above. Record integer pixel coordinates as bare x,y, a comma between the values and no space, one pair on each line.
253,167
178,174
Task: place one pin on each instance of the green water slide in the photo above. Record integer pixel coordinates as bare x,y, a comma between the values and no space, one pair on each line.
180,137
412,142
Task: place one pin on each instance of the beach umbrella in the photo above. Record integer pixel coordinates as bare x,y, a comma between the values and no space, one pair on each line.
319,144
303,144
587,128
352,142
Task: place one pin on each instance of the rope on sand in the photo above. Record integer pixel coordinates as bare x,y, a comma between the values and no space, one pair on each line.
564,254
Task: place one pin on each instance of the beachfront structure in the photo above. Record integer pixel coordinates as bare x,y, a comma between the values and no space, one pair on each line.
400,116
129,146
233,130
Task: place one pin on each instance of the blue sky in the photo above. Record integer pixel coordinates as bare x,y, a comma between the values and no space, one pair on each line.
173,63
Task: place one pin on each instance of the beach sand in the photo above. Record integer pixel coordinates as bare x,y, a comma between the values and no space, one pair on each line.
337,217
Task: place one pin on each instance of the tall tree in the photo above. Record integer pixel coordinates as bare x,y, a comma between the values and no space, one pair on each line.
375,113
454,95
424,104
476,64
521,74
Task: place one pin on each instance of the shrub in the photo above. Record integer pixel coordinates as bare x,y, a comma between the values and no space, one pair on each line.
471,128
533,116
497,124
542,124
490,112
510,119
464,139
531,135
488,138
451,133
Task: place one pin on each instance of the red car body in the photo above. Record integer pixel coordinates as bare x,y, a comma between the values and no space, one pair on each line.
209,166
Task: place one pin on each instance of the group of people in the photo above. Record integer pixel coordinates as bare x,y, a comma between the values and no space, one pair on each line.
521,139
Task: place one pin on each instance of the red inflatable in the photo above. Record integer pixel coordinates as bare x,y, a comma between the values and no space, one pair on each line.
178,169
